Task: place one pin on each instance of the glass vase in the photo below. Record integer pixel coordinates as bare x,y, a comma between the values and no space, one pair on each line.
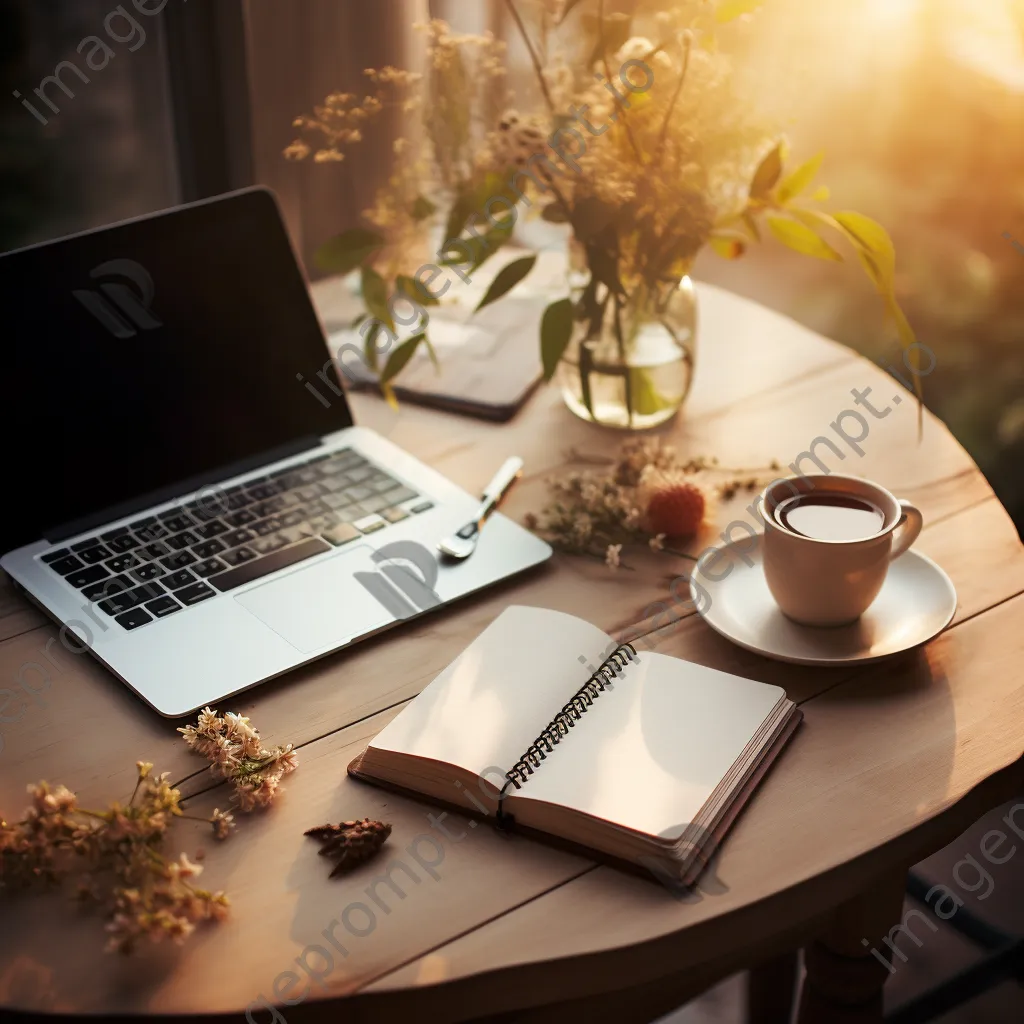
630,363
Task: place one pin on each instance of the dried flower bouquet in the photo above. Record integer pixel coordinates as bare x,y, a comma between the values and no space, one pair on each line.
116,853
234,746
116,856
644,496
669,160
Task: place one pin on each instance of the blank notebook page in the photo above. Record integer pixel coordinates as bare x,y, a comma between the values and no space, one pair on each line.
490,704
648,754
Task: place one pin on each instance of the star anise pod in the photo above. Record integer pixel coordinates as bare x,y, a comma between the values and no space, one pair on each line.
350,842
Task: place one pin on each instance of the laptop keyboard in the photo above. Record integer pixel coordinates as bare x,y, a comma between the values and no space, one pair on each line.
164,563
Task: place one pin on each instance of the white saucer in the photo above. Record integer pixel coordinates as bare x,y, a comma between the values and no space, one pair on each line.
916,602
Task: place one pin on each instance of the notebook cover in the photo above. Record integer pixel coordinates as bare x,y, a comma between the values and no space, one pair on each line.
492,388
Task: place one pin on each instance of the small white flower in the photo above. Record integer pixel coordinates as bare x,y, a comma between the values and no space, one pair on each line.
183,868
287,760
223,823
208,724
611,556
189,735
239,727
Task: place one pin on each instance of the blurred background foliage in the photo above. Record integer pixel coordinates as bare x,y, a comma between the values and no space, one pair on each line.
919,107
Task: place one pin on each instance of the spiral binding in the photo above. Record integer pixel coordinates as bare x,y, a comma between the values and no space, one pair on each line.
577,706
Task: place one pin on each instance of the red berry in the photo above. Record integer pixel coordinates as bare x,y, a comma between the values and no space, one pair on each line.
676,509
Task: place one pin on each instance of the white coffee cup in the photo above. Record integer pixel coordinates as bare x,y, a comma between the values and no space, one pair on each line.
820,582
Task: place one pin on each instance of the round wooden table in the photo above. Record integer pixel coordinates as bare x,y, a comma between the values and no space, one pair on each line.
893,760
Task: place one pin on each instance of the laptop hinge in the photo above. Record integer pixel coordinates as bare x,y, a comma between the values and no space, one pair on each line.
56,534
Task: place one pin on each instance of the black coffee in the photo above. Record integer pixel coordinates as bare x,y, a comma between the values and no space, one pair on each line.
831,516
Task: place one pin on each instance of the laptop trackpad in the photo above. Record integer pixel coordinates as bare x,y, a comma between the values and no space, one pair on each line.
325,605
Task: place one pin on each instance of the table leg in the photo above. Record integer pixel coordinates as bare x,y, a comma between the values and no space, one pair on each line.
771,987
844,979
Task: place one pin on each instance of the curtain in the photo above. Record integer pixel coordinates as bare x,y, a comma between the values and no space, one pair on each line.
299,52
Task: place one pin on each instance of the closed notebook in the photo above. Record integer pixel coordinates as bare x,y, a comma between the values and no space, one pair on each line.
547,726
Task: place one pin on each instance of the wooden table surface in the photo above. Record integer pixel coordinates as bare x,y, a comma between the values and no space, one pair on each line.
892,762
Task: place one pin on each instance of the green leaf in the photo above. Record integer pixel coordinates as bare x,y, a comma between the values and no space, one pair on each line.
347,251
476,250
815,219
468,203
555,332
497,185
458,215
870,236
767,175
872,267
730,10
422,208
484,247
416,290
801,238
370,352
493,240
398,359
877,256
389,396
647,400
432,353
375,296
799,181
508,277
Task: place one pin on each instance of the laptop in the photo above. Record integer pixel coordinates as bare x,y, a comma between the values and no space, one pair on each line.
178,500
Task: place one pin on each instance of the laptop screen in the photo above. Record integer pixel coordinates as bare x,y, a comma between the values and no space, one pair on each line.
150,353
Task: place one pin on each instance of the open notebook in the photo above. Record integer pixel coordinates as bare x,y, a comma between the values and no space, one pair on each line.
545,724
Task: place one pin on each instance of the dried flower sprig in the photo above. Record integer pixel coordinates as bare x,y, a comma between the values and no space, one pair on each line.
645,494
116,855
234,746
350,843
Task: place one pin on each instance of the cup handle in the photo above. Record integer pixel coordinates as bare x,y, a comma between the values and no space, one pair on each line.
911,522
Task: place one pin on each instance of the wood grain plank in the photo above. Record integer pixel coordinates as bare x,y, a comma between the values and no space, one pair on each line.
16,614
912,746
283,900
340,689
48,738
75,721
281,887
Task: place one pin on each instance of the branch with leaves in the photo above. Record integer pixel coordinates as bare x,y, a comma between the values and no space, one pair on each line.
783,201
